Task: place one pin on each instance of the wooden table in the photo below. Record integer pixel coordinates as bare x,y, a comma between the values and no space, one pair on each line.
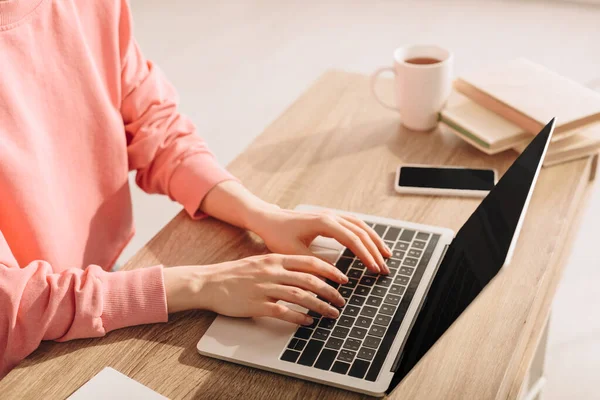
336,147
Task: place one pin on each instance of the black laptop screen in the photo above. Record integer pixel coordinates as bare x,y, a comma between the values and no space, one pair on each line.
475,256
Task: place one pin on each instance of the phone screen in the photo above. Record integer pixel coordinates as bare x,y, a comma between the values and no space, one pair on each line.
446,178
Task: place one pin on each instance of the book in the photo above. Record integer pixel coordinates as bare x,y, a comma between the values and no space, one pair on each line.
484,129
480,127
529,95
582,144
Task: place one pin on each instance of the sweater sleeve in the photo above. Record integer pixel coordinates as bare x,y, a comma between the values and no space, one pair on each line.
37,304
163,146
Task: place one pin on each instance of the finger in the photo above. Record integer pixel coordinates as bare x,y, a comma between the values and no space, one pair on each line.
313,284
383,248
331,227
368,242
284,313
301,297
315,266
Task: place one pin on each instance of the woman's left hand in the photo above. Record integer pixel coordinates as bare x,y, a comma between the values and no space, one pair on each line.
291,232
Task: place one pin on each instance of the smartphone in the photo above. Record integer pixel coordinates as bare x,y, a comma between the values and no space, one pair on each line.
444,181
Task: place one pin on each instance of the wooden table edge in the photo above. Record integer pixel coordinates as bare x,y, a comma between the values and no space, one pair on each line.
530,340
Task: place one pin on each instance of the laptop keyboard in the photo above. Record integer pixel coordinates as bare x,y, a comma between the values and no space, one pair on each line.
358,341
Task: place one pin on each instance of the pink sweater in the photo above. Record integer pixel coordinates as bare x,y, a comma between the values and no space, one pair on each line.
79,108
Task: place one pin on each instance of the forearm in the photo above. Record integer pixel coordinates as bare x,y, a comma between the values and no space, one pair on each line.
231,202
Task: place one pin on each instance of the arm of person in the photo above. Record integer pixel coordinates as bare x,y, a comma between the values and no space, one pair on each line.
37,304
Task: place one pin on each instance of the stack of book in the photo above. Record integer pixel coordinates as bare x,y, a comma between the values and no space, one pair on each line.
503,107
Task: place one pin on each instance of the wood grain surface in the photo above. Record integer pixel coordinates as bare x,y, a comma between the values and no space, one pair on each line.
336,147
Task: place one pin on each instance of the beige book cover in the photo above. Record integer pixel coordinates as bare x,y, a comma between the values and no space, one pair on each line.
482,128
582,144
529,95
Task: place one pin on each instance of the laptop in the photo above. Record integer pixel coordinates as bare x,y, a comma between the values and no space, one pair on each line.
390,322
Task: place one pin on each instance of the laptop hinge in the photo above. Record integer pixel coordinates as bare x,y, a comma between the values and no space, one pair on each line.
423,300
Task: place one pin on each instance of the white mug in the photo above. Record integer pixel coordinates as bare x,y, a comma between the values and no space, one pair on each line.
423,80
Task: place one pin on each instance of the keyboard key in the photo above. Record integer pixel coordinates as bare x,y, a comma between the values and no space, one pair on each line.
343,264
292,343
326,358
422,236
402,280
380,229
398,254
362,290
314,314
303,333
310,353
365,353
300,344
352,344
340,367
346,355
418,244
368,280
348,253
371,341
392,272
414,253
340,332
368,311
354,273
290,355
327,323
346,321
407,235
358,333
379,291
392,299
402,246
392,234
376,330
389,244
333,284
359,368
391,263
384,281
351,311
374,301
356,300
321,334
363,322
397,290
370,273
387,309
334,343
345,292
314,324
383,320
408,271
358,265
411,262
351,283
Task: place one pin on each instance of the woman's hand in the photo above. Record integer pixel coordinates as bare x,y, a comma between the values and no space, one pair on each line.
252,286
291,232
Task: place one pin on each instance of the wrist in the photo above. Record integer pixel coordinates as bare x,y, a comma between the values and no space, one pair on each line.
185,288
254,214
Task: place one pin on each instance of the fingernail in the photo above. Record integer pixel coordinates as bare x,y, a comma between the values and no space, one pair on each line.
388,248
341,301
376,267
333,313
344,278
308,321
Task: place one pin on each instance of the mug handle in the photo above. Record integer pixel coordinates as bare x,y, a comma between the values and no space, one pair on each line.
374,79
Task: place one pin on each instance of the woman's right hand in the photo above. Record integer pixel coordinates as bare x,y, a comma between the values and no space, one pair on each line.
251,287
